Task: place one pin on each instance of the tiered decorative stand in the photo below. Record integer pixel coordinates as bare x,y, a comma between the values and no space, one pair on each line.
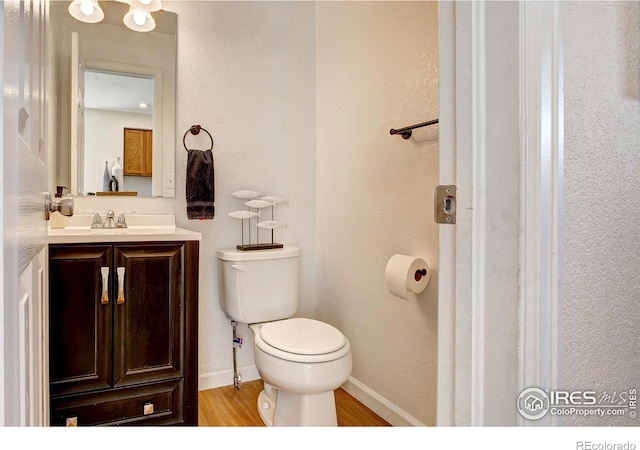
256,204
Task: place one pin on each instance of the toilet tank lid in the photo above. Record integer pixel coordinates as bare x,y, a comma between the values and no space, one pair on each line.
231,254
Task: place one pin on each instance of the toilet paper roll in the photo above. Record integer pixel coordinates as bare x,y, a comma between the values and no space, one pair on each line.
405,274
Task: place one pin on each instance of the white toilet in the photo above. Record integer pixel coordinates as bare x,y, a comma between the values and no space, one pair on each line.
301,361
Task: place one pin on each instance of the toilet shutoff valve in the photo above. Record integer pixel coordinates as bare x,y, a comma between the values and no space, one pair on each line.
237,342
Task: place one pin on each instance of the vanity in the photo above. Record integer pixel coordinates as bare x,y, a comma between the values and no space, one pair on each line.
123,323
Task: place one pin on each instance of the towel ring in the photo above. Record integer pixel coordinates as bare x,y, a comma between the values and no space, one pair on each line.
195,130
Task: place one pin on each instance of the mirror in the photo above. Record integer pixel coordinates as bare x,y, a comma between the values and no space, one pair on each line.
118,107
112,94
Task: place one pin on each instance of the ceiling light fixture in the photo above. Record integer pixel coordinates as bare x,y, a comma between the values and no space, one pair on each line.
87,11
138,18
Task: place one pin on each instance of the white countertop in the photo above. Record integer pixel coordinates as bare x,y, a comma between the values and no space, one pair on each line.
140,228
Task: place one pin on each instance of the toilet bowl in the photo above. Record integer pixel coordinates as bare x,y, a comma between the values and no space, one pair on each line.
301,361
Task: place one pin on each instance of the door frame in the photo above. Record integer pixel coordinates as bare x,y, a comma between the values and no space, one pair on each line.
481,370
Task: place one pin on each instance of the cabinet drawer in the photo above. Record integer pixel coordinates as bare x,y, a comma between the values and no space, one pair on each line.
156,404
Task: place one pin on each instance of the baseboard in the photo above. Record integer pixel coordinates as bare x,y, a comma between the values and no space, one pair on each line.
380,405
212,380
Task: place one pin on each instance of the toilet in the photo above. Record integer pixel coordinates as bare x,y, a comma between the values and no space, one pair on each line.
301,361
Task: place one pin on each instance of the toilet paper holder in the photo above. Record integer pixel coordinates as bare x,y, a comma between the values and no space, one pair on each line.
406,275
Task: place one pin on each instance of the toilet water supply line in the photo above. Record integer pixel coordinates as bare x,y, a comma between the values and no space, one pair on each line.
237,342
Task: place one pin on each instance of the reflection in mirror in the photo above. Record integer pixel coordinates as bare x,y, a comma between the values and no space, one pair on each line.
94,69
118,123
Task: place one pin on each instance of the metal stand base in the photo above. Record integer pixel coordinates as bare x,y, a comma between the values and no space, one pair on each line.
258,247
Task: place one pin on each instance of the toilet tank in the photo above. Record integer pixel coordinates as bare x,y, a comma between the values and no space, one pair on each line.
260,285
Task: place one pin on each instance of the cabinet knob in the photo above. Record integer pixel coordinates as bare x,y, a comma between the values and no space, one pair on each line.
71,422
147,409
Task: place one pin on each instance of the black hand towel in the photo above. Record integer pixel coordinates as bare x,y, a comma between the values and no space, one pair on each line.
200,189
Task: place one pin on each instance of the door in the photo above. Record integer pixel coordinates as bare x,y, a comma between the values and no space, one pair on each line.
149,312
24,172
80,318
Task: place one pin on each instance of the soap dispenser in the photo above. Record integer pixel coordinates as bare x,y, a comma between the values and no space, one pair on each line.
56,220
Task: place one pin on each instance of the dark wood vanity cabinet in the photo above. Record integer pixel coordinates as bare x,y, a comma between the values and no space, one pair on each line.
123,333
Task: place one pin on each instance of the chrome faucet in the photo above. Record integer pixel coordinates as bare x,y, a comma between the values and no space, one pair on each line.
110,223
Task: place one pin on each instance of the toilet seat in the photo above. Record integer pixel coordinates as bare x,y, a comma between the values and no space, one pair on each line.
302,336
302,340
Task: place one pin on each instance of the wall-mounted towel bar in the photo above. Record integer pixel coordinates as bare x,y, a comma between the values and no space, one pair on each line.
406,131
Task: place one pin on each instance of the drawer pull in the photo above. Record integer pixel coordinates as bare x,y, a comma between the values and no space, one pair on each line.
120,285
71,422
147,409
105,285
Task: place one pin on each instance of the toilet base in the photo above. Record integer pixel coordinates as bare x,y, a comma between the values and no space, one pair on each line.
280,408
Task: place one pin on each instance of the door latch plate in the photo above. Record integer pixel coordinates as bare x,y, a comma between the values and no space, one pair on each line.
445,204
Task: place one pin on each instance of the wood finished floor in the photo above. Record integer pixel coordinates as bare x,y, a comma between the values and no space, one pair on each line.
226,407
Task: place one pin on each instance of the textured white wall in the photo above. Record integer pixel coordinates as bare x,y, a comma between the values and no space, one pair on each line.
601,312
377,69
246,74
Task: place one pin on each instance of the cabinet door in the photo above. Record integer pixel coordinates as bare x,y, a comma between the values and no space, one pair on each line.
137,152
80,323
149,315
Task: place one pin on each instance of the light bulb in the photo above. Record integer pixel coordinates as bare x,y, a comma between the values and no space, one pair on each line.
87,11
139,18
87,8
